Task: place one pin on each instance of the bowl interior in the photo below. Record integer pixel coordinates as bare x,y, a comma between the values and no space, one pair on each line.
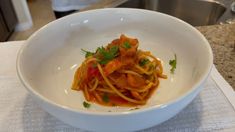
48,61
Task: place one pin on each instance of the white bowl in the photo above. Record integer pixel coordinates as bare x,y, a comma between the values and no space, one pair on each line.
47,62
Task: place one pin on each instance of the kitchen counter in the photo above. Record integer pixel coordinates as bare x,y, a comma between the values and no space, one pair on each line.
222,41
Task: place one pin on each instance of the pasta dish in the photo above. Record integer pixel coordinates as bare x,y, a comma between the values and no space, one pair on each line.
119,74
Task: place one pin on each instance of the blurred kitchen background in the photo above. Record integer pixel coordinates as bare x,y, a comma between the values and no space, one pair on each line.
21,18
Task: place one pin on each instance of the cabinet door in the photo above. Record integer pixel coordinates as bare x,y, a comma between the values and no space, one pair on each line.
3,30
8,13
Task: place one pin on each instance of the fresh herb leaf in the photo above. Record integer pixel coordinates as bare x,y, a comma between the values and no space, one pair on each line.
173,64
106,55
105,98
100,50
114,50
88,53
86,105
126,45
143,62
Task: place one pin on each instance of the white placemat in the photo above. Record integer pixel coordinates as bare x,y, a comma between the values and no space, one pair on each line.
212,110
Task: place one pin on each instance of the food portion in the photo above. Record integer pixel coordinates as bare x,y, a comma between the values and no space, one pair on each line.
119,74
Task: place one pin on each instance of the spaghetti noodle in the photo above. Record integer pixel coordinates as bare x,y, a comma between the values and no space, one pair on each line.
119,74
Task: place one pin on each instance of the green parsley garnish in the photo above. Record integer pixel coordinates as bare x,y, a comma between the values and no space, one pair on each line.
88,53
106,55
86,105
114,49
105,98
173,64
126,45
103,55
143,62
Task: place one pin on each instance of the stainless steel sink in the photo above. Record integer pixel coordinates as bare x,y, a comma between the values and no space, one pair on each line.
195,12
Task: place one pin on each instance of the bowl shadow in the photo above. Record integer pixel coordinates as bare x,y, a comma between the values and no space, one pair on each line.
189,119
36,119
